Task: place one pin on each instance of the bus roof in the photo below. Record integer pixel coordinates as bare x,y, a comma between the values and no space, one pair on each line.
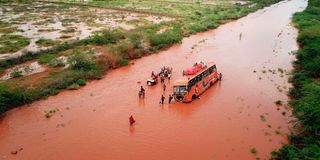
181,82
185,79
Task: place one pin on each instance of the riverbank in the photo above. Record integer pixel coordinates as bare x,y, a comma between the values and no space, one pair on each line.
305,137
106,50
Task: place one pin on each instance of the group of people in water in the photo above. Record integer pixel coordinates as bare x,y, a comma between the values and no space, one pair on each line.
165,72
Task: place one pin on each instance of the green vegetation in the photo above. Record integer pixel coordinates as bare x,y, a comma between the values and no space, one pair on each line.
83,68
81,82
46,42
81,61
305,141
12,43
253,150
105,37
166,38
46,58
278,102
56,62
16,73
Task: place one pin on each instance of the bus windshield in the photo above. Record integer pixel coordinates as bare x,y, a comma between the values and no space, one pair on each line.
180,89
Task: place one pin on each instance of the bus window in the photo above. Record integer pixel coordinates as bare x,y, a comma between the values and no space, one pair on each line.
205,73
210,70
199,78
180,89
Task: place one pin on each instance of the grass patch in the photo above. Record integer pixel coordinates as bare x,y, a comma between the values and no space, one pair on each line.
12,43
46,58
46,42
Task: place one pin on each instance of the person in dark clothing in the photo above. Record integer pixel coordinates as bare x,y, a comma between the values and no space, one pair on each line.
143,91
170,98
162,99
162,78
152,74
164,87
131,120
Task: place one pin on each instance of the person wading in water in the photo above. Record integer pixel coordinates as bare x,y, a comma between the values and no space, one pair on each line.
131,120
162,99
170,98
143,91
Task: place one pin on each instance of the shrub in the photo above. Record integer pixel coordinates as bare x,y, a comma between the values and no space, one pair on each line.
123,62
81,60
54,91
166,38
56,62
105,37
81,82
135,39
197,28
73,86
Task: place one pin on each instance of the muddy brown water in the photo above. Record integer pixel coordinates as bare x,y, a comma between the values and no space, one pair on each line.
225,123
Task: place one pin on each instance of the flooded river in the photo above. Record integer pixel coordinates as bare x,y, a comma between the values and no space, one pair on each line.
229,119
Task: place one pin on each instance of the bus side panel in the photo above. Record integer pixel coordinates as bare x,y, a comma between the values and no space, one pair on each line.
202,86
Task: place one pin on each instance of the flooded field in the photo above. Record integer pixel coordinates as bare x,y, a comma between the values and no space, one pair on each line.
237,118
43,25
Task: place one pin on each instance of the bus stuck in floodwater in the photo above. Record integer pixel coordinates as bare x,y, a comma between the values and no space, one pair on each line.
197,80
